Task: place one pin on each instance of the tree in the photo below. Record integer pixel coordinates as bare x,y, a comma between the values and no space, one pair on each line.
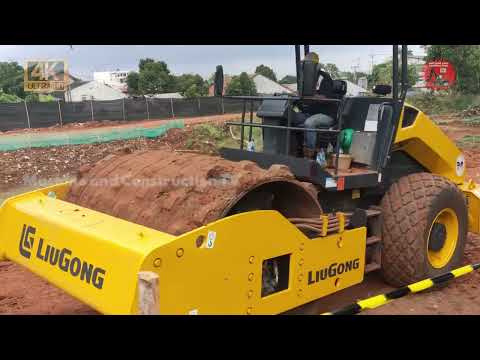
153,78
241,85
132,83
331,69
36,97
383,73
144,62
190,85
288,79
266,71
192,92
466,61
11,78
8,98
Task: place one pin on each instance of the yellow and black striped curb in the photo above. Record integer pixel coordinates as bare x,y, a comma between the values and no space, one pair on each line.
379,300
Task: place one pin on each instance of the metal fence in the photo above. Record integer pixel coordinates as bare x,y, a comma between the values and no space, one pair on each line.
46,114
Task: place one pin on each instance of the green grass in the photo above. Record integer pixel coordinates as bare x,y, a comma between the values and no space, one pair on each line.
473,121
235,130
444,104
211,137
469,141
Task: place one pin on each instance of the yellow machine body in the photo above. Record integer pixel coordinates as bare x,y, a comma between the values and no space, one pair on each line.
215,269
432,148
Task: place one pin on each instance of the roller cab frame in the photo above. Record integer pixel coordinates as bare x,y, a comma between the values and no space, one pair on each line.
330,179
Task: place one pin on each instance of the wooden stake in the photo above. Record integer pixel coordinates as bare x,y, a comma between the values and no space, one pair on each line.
28,115
148,293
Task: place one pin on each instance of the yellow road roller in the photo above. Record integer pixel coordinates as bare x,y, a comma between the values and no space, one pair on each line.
342,185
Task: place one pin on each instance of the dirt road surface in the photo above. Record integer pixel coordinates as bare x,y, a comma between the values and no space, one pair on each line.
22,292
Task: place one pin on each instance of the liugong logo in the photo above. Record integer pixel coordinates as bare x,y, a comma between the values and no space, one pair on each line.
27,241
60,258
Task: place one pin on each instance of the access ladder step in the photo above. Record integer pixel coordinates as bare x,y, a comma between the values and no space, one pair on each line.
372,267
373,240
373,212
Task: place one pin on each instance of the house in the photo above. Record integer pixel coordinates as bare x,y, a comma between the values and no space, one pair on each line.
73,82
352,89
115,79
264,85
292,87
95,90
363,82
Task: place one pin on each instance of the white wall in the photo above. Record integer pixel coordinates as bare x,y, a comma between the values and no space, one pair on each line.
266,86
95,90
116,79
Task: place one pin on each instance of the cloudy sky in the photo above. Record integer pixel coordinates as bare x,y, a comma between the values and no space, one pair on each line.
83,60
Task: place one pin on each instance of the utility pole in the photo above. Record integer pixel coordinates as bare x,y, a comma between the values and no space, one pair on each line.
372,58
355,69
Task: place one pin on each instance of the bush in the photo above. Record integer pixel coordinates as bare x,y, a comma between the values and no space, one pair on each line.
443,104
9,98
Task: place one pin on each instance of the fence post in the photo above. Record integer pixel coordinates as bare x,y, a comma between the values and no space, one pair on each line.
199,110
123,108
171,106
148,113
60,114
223,106
91,108
28,116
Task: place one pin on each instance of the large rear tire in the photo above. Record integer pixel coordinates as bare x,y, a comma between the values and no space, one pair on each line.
424,231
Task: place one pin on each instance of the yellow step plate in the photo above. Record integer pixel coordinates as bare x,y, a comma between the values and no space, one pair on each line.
215,269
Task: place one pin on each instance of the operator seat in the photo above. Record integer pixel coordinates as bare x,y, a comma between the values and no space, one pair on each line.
309,80
309,75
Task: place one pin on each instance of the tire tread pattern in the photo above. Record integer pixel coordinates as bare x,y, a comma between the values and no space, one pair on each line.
405,209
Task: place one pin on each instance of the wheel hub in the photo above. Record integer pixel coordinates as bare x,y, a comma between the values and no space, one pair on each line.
443,237
437,237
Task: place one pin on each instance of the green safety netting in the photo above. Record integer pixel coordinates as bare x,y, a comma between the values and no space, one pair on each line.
21,141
